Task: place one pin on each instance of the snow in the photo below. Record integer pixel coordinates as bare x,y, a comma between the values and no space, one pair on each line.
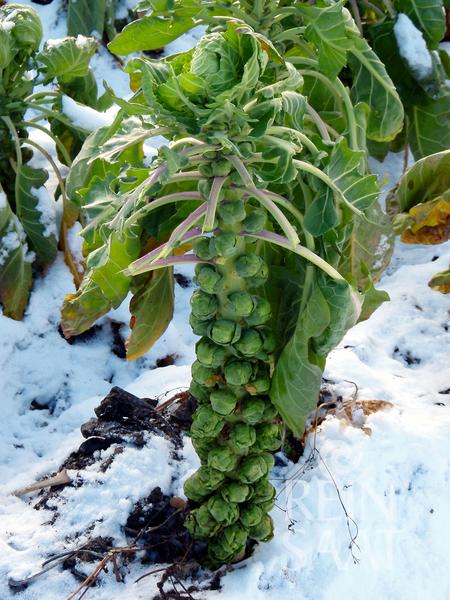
393,483
46,207
3,200
7,25
412,46
8,243
86,117
75,242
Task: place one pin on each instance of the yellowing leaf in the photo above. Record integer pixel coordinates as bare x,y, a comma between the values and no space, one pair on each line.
430,223
441,282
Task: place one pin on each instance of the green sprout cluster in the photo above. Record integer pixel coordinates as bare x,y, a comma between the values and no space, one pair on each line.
236,428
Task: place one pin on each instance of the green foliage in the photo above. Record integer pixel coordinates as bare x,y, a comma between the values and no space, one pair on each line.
29,233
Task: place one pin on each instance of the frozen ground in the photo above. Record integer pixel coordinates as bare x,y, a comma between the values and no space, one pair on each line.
393,483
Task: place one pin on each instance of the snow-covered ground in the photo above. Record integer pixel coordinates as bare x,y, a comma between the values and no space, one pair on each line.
388,484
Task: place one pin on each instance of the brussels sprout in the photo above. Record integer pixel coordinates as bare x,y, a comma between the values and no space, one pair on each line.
204,187
270,412
238,372
249,265
199,392
225,244
224,512
252,468
262,532
210,354
246,149
269,459
261,313
206,423
255,221
260,278
27,30
223,401
224,331
202,483
263,492
236,492
202,447
206,169
268,437
251,515
252,410
250,343
260,382
204,249
230,545
199,326
204,306
241,303
221,168
233,195
242,436
233,212
270,341
201,523
203,375
223,459
207,278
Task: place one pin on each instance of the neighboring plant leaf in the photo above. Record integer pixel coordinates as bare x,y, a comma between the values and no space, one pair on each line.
86,17
33,207
69,59
428,16
429,130
372,85
151,312
429,223
149,33
427,179
15,269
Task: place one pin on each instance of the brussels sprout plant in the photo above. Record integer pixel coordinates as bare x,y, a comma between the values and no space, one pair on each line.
321,39
254,191
28,233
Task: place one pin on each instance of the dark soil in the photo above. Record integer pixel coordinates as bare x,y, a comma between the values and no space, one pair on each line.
123,419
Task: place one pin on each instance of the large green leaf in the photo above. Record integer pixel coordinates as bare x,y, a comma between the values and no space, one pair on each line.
429,130
328,314
326,28
149,33
86,17
347,172
80,310
427,179
108,262
151,312
15,268
369,247
427,15
372,85
33,207
68,59
82,167
360,190
321,215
